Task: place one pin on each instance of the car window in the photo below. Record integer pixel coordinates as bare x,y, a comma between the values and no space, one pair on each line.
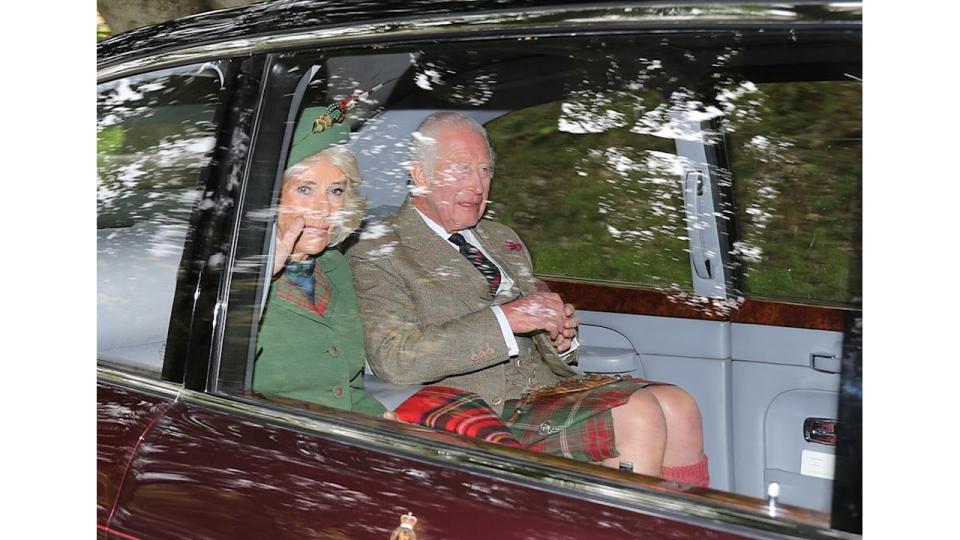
795,153
595,198
589,170
155,134
586,170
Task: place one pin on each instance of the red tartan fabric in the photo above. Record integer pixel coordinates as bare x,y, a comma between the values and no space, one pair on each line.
322,291
290,292
456,411
576,426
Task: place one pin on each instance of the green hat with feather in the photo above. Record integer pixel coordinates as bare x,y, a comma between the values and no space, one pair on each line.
315,133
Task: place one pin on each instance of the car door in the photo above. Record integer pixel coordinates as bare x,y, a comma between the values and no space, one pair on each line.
796,196
693,203
155,141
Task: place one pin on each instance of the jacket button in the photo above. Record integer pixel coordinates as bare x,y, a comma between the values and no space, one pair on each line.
333,350
338,391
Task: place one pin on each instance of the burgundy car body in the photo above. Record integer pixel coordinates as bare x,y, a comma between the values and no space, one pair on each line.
177,457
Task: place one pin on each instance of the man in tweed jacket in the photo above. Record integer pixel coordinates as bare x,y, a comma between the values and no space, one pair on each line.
433,316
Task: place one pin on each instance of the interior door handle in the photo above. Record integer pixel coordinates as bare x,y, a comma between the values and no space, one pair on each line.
820,431
825,362
692,191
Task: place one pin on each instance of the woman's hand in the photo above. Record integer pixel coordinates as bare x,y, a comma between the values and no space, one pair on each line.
285,244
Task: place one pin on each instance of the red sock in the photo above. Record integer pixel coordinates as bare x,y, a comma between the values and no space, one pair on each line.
696,474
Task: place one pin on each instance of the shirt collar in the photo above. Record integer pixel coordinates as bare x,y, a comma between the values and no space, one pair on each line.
438,229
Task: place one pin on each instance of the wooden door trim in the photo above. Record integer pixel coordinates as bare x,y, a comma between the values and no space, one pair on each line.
639,301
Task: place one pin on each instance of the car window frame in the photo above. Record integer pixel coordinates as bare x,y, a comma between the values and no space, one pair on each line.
206,182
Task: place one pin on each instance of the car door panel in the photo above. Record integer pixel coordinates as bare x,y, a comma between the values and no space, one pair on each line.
700,355
666,335
803,469
123,415
780,345
768,427
775,375
206,474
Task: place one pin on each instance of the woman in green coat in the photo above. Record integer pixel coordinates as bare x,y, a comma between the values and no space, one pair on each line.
310,344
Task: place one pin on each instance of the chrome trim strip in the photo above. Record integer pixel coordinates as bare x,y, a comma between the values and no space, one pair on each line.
545,474
140,382
547,19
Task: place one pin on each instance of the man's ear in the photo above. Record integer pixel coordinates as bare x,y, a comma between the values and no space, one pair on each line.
418,173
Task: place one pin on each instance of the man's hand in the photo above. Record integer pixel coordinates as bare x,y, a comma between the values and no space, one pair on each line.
285,244
569,329
536,311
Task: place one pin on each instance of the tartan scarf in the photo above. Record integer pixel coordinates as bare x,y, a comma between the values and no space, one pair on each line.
298,285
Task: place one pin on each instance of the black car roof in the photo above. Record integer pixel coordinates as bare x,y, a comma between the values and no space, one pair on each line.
286,16
289,15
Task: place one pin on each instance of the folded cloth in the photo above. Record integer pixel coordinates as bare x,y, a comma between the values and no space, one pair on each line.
456,411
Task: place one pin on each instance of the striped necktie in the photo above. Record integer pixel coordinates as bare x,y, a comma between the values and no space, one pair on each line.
476,258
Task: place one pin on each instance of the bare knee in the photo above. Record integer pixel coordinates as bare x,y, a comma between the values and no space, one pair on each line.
679,408
641,415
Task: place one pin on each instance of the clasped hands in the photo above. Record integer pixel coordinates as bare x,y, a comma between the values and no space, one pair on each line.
545,311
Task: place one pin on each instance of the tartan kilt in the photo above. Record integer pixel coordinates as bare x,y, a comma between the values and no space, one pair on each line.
577,425
456,411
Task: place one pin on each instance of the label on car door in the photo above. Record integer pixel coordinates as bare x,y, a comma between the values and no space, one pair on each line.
818,464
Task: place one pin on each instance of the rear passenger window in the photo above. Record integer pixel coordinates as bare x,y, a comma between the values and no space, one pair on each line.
594,197
155,136
795,153
594,139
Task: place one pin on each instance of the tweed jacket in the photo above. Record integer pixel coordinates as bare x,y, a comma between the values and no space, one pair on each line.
310,357
426,312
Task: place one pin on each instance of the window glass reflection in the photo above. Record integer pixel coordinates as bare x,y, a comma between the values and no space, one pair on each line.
155,134
795,151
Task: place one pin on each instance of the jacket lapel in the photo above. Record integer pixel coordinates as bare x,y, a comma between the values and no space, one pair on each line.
438,258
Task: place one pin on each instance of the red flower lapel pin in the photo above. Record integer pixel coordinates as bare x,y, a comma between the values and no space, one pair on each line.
513,246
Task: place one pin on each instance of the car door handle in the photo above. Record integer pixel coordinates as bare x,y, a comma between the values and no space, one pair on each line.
825,362
820,431
692,191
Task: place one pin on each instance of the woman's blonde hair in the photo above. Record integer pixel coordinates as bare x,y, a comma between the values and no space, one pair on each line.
341,157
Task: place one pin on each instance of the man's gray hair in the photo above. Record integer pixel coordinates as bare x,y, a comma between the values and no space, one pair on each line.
341,157
424,137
